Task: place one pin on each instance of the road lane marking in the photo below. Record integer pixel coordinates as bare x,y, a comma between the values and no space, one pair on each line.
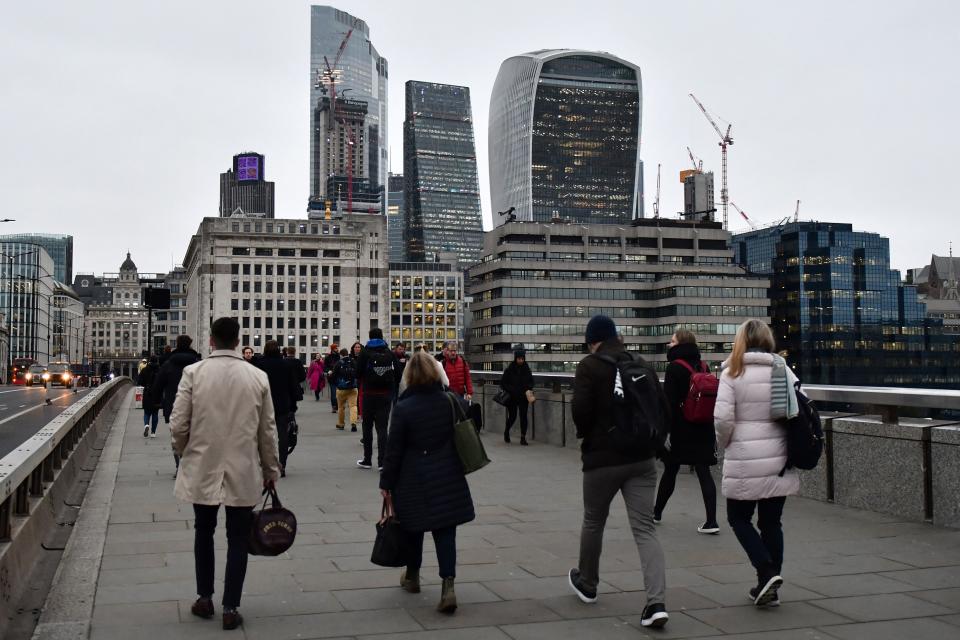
39,406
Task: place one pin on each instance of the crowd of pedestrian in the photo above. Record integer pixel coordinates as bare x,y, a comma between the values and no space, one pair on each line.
232,423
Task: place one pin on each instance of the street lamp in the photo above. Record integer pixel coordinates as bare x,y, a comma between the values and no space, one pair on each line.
11,258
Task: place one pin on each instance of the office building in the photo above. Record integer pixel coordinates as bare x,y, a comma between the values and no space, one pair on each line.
698,195
348,115
939,289
539,284
304,283
58,246
68,325
395,218
244,189
442,202
426,303
564,138
27,299
839,313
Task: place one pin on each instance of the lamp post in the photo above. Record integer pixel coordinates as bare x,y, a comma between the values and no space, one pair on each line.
11,258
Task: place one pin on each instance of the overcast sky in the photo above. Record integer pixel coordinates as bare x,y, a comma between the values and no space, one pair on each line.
117,117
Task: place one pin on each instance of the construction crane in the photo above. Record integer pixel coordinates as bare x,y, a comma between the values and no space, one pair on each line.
744,215
656,202
697,165
725,141
331,76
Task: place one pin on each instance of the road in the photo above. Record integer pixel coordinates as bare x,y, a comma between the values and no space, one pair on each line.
23,411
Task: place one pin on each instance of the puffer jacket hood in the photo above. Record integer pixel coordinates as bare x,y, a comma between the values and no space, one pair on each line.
755,447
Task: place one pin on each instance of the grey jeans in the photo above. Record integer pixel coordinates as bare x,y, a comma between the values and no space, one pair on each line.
638,484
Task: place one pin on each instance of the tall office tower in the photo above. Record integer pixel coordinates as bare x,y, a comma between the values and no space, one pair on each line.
698,195
839,313
564,138
244,189
442,202
348,115
395,218
26,298
58,246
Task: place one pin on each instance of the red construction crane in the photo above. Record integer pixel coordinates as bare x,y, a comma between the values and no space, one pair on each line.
725,141
745,217
697,166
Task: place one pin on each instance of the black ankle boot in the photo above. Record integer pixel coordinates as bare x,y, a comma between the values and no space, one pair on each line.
506,437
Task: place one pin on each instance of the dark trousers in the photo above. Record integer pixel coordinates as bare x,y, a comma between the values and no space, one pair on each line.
166,420
283,430
316,394
151,417
515,408
765,548
333,397
445,540
238,530
668,482
376,413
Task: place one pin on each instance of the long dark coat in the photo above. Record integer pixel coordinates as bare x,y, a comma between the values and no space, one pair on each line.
283,383
689,443
168,379
151,394
517,380
421,467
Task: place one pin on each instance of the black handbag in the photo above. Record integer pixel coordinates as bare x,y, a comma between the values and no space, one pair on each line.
293,433
392,546
273,529
502,397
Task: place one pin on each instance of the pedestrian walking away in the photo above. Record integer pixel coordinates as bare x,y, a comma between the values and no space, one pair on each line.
377,376
223,429
344,380
168,378
329,362
755,473
423,475
299,373
151,400
691,443
283,393
315,377
517,381
610,414
355,350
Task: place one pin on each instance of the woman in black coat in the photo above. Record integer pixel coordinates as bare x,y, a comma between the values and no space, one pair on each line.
690,444
423,476
516,381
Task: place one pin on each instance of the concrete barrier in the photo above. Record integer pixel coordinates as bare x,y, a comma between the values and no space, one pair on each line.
945,476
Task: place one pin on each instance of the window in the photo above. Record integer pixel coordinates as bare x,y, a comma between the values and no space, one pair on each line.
308,253
287,253
241,251
234,270
331,253
263,252
373,289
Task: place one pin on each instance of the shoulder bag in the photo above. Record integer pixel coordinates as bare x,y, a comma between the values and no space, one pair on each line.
272,529
466,440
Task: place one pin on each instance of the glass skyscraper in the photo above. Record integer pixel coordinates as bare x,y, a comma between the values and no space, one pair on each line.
58,246
564,138
839,313
395,218
442,201
360,77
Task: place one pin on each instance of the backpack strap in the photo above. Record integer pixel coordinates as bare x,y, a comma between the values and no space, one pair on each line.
686,365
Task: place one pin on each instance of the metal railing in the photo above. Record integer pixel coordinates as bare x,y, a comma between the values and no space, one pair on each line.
26,470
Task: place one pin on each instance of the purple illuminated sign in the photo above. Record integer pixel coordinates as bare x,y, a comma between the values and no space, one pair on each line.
248,168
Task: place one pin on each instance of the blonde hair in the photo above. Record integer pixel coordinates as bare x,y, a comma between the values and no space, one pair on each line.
752,334
421,370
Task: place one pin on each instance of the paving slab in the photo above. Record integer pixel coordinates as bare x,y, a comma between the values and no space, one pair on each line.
790,615
914,629
890,606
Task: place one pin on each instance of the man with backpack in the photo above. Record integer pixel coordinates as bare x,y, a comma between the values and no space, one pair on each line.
377,372
620,411
344,379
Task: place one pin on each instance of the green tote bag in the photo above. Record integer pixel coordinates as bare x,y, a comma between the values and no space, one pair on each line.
466,440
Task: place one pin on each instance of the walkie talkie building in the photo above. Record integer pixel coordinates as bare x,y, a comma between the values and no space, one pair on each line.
564,138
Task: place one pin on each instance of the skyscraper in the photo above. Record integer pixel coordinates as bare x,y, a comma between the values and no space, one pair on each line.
442,202
564,138
395,218
698,196
58,246
244,187
348,113
839,313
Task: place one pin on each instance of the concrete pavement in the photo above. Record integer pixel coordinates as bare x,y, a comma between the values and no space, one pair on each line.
849,574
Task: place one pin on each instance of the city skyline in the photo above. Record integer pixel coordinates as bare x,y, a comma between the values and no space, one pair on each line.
813,110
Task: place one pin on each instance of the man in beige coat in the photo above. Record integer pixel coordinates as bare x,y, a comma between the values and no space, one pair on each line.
224,432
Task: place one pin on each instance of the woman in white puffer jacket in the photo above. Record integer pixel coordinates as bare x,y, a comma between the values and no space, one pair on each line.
755,456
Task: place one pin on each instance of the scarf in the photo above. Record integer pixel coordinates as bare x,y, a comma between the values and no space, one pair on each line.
783,397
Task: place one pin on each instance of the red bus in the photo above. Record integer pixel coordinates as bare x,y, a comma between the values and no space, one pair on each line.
18,368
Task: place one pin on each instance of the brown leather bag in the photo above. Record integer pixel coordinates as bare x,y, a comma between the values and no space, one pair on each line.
273,529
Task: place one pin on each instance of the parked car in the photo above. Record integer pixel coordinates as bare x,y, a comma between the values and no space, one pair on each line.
60,374
36,374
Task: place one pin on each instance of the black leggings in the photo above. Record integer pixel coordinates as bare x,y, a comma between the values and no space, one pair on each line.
514,409
668,481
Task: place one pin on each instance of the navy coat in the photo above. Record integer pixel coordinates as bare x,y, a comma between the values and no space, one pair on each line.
421,467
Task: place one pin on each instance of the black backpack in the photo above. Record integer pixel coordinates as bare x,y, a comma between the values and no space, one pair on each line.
639,420
379,371
804,435
347,374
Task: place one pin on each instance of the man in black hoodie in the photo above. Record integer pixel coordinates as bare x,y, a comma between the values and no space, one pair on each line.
283,384
377,375
168,379
610,468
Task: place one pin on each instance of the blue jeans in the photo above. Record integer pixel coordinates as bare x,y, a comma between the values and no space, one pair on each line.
765,549
151,417
445,540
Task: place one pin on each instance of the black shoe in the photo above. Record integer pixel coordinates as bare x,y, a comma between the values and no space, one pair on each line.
709,528
766,591
232,620
752,596
654,615
202,608
523,441
576,583
363,464
353,428
506,437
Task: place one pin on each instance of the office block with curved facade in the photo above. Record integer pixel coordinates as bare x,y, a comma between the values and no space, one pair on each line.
564,138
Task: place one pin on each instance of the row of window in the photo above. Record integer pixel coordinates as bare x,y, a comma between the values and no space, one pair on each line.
705,328
279,227
289,306
290,270
547,293
287,252
704,310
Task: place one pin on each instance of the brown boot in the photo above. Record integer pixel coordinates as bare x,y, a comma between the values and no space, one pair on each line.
232,620
448,597
202,608
410,580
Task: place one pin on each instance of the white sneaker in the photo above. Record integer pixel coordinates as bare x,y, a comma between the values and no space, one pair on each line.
146,431
153,435
364,465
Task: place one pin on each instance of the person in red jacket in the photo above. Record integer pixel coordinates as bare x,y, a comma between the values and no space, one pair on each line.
458,372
